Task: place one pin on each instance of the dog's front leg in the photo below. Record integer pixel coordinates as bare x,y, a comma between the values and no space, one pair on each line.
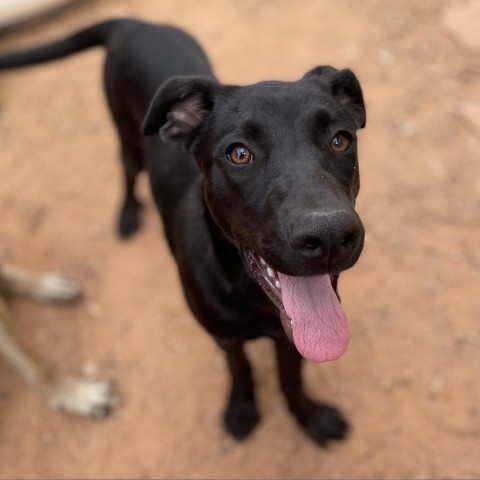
49,287
321,422
82,396
23,361
241,414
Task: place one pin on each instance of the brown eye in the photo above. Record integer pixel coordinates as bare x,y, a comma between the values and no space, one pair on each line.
340,142
239,154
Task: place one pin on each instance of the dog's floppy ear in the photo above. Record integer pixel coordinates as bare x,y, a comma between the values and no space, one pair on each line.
179,108
345,87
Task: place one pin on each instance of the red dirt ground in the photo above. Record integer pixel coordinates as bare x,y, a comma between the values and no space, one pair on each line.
410,380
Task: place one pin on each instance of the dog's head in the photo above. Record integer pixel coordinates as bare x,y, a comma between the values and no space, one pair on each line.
280,168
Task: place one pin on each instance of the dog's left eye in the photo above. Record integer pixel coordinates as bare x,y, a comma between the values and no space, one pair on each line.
340,142
239,154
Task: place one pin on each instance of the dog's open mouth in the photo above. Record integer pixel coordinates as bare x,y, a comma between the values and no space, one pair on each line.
309,308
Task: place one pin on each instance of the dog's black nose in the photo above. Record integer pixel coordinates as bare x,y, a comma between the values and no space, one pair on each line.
329,241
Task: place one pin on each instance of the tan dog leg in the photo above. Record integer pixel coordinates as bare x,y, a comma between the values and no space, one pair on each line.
94,398
50,287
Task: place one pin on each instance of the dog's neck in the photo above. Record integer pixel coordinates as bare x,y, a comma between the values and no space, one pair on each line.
236,276
226,252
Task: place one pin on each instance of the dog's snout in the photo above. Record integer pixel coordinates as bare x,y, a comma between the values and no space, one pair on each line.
328,241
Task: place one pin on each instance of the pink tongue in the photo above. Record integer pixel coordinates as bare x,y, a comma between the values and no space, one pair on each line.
320,327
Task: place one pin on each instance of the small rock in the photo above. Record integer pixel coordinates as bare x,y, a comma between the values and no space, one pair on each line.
93,309
351,51
408,129
90,369
385,56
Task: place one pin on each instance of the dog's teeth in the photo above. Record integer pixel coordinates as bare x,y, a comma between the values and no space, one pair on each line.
291,323
270,272
277,284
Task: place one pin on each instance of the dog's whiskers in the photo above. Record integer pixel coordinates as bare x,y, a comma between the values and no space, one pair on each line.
240,239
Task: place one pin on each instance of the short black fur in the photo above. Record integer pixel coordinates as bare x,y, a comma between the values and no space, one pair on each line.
293,204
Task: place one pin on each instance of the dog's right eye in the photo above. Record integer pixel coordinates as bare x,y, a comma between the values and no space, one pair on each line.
341,142
239,154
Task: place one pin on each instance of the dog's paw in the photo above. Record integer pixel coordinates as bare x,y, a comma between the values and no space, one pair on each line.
89,398
129,220
321,422
240,418
54,287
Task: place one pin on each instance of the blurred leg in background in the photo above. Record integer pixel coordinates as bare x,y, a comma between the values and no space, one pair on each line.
14,12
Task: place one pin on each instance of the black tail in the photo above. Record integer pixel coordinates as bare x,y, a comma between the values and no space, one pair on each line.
93,36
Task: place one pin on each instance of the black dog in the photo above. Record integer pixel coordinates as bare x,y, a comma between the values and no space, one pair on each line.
258,206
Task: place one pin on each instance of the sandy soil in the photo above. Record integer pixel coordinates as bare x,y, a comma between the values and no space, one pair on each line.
409,382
